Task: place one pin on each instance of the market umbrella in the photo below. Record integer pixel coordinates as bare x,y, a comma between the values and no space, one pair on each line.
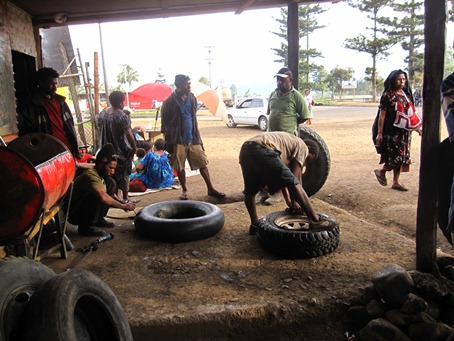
154,91
211,99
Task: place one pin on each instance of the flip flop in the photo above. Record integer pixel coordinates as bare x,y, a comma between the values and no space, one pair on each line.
184,196
400,188
381,178
217,194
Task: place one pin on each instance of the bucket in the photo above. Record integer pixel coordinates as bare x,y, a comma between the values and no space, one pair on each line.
36,170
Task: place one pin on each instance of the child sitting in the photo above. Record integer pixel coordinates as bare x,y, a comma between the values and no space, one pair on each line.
157,170
140,154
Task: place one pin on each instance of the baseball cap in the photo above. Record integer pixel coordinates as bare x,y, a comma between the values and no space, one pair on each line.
284,73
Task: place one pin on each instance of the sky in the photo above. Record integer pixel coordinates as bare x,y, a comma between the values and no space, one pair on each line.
228,48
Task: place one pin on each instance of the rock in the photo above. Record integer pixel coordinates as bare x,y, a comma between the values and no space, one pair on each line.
414,304
356,317
382,330
428,286
376,308
434,309
393,284
447,316
429,331
369,294
398,318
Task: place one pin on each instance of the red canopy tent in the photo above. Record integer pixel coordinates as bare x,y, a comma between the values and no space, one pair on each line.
144,95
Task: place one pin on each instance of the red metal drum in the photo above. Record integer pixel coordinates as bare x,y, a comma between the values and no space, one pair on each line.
36,170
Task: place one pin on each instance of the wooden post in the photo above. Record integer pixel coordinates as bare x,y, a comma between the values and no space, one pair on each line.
426,225
293,41
96,83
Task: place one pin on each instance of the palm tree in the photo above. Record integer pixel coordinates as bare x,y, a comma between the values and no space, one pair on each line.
127,76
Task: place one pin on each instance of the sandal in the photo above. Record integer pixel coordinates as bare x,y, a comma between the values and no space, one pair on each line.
217,194
400,188
381,178
184,196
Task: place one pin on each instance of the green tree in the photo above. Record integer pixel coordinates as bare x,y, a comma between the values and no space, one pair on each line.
204,80
378,42
408,29
307,23
127,76
449,62
234,90
161,78
335,78
320,80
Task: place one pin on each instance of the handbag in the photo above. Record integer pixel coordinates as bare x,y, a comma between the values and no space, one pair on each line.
407,118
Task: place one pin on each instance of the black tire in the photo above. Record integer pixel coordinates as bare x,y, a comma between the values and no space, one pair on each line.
263,123
179,221
315,172
446,170
287,235
20,278
231,122
76,305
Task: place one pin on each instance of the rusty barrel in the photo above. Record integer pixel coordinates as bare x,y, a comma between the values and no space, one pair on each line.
36,170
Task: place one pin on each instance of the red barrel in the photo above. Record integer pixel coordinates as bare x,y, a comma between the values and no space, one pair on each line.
36,170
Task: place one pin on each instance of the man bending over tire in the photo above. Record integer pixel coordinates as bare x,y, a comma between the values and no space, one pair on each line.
276,159
94,192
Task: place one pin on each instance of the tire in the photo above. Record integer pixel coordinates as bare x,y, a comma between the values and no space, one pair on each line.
76,305
315,172
287,235
179,221
20,278
446,170
263,123
230,123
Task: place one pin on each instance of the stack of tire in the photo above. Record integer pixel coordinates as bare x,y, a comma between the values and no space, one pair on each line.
288,235
37,304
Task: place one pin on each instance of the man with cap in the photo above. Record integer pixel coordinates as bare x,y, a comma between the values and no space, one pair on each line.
276,159
182,135
93,193
286,106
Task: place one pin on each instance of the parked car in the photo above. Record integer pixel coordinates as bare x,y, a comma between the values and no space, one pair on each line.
251,111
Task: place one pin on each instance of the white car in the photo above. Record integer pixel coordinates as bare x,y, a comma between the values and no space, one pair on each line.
251,111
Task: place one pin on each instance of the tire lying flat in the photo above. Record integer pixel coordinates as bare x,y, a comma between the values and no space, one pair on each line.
179,221
288,236
20,278
316,171
76,305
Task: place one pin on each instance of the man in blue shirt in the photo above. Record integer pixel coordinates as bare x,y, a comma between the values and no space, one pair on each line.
182,135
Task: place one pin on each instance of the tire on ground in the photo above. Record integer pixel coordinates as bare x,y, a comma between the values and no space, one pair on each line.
76,305
292,243
179,221
19,280
316,171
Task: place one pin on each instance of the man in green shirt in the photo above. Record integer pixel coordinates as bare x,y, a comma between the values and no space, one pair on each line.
94,192
287,109
286,106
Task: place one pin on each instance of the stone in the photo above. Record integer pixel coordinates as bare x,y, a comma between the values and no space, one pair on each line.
398,318
382,330
376,308
429,331
393,283
356,317
428,286
414,304
369,294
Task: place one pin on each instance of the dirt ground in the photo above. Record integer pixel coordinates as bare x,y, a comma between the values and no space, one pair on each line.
227,287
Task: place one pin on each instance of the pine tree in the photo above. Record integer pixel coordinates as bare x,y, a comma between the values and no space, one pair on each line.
378,42
409,31
307,24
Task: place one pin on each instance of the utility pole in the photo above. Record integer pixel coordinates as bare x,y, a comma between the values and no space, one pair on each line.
209,47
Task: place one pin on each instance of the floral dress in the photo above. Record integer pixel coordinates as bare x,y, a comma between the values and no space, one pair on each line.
158,172
395,147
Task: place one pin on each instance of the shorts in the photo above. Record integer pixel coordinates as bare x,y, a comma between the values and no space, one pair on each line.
194,153
263,167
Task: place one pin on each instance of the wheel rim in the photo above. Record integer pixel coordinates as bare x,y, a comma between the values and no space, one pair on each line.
14,309
293,222
262,124
231,121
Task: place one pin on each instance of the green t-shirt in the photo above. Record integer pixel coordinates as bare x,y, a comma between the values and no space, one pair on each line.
86,183
286,109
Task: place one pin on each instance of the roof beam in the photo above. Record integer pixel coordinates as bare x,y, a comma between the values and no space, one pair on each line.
244,6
